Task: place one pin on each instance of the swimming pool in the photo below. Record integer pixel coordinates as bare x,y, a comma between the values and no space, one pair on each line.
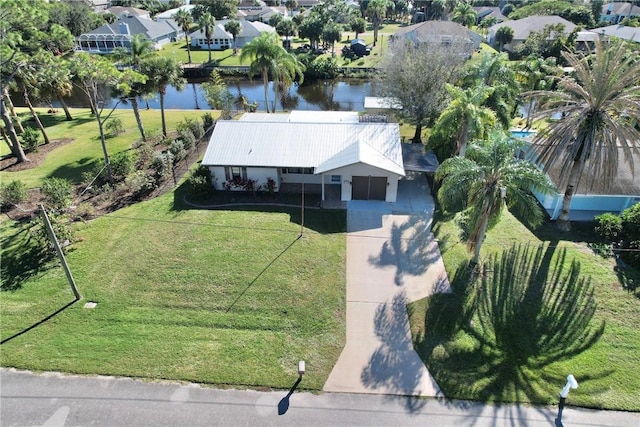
524,134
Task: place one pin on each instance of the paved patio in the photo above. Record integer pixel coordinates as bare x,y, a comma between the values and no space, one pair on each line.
392,259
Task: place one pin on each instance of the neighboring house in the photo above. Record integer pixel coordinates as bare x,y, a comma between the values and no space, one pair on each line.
221,39
522,28
616,11
592,197
168,14
261,13
619,31
99,5
485,12
445,32
107,38
120,11
331,151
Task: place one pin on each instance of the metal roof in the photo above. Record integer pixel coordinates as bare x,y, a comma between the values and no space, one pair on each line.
324,146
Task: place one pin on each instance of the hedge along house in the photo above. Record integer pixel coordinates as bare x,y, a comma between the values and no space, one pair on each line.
331,152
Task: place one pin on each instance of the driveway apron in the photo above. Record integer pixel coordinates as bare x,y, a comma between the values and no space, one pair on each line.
392,259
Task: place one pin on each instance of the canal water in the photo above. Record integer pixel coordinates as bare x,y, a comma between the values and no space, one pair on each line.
334,95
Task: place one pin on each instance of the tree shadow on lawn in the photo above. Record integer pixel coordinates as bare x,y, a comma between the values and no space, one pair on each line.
22,257
53,119
492,338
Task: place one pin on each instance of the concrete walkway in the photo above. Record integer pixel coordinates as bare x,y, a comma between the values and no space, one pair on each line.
392,259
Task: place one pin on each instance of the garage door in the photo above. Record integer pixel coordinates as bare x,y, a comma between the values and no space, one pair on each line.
369,187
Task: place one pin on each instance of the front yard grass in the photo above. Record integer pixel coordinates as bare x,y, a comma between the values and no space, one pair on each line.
70,160
217,297
448,329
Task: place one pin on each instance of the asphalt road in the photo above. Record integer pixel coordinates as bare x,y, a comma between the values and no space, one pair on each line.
55,400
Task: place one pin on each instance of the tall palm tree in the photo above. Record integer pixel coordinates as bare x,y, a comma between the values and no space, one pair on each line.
489,178
263,52
494,70
285,69
600,112
467,115
184,19
140,47
162,72
536,73
464,14
56,83
207,24
376,10
234,28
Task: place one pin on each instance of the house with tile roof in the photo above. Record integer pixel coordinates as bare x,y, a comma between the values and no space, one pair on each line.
619,31
614,12
522,28
445,32
331,151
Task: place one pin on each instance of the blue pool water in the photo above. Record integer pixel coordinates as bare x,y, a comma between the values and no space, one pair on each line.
524,134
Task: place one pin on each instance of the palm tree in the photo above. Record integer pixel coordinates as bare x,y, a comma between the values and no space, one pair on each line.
467,115
504,35
486,181
285,69
535,73
376,10
263,52
600,112
56,83
162,72
140,47
184,19
286,28
233,27
464,14
207,24
494,70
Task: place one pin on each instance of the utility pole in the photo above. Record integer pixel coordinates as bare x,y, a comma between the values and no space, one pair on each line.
56,245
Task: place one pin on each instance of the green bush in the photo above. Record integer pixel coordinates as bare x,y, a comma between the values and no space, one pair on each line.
140,182
631,235
13,193
177,151
57,193
30,139
608,226
194,125
162,164
187,138
114,127
122,164
199,183
207,120
145,154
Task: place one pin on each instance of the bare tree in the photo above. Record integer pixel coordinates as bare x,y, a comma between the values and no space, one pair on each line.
415,74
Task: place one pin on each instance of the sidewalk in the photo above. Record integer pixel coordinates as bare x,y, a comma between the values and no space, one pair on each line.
392,259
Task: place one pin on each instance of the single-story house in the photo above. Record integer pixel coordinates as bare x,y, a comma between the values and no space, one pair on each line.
108,37
261,13
329,150
168,14
120,11
221,39
522,28
619,31
485,12
616,11
592,196
445,32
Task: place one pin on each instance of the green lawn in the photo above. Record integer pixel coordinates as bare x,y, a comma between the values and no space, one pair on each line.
218,297
70,160
521,346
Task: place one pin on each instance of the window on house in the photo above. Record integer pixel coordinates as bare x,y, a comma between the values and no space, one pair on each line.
234,173
335,179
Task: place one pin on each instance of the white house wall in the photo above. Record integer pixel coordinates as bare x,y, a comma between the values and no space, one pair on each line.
260,175
348,172
296,178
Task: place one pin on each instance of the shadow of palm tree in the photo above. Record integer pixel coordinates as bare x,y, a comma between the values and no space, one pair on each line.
492,338
408,249
394,365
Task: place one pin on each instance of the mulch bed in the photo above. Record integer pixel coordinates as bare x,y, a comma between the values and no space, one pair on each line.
9,164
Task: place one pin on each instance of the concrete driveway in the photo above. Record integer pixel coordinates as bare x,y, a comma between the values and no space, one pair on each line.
392,259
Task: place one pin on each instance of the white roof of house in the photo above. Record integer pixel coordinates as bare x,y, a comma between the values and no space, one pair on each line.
324,146
168,14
